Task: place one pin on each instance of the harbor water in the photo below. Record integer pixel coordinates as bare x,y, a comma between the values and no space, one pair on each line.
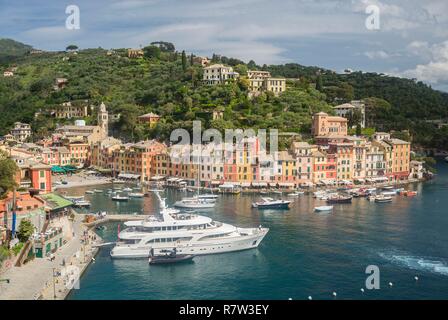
304,254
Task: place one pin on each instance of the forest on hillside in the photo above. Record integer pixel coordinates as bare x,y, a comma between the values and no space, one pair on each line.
168,83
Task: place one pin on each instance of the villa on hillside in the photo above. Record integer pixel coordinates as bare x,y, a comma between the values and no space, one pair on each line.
261,81
345,110
149,118
135,53
219,74
68,110
325,125
21,131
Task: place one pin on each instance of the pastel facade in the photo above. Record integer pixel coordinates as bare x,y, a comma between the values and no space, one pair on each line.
21,131
325,125
219,74
68,111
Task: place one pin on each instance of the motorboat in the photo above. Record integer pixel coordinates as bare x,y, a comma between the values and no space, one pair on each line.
208,196
381,198
74,198
118,197
127,189
195,203
136,195
98,191
156,190
389,193
340,199
323,208
165,256
269,203
81,203
90,192
294,194
189,233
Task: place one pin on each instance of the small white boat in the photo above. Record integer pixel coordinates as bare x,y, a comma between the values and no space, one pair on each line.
98,191
382,198
389,193
120,198
81,203
208,196
136,195
195,203
90,192
277,192
294,194
323,208
127,189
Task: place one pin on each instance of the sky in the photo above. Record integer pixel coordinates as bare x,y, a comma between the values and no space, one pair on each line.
411,41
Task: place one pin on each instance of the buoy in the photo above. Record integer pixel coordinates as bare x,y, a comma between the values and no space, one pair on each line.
390,284
362,290
416,278
334,294
310,298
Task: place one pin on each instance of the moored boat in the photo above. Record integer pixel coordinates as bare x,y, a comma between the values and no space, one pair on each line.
120,198
383,198
323,208
339,199
136,195
269,203
166,256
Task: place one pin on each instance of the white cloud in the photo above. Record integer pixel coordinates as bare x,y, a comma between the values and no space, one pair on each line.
436,70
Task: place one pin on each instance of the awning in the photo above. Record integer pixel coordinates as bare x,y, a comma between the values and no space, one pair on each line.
245,184
286,184
227,186
259,184
129,176
380,179
216,182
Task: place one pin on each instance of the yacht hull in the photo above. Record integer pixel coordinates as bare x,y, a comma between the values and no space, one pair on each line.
197,248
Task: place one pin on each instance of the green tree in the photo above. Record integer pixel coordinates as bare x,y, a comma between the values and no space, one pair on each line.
152,52
71,47
25,230
319,85
358,129
184,61
8,170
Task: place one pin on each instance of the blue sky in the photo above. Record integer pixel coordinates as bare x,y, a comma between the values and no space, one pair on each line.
412,40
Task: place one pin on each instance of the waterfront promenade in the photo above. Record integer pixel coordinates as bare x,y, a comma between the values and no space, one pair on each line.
34,280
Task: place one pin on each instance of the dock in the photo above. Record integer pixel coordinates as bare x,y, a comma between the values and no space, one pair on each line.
116,218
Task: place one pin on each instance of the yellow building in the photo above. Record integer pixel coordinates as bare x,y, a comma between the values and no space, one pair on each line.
401,156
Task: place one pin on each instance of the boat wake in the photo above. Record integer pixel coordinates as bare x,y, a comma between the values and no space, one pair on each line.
427,264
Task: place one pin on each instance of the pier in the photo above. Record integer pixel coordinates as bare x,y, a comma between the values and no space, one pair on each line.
116,218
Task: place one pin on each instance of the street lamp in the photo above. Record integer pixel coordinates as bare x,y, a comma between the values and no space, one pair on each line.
54,285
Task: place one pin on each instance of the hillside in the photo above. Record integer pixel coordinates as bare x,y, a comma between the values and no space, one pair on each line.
163,83
11,50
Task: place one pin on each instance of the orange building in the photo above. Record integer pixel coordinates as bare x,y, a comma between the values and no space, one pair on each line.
33,175
401,156
324,125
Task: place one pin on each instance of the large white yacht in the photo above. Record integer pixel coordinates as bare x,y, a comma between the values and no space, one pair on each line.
188,233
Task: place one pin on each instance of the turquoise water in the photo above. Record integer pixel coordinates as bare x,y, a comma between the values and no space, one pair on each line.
304,254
